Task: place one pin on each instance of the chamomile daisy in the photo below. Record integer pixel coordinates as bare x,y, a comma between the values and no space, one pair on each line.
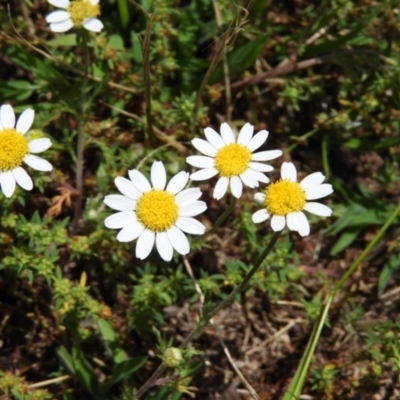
232,159
16,148
284,201
155,213
76,13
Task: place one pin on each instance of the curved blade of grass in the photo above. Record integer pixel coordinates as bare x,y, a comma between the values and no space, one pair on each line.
296,385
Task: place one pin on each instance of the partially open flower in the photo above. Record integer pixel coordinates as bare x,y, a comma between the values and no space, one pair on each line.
284,201
232,159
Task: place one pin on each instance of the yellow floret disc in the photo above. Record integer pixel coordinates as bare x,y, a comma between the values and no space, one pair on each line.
13,149
232,160
284,197
157,210
79,10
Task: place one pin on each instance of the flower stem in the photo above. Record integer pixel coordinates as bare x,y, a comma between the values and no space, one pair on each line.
80,146
219,221
199,328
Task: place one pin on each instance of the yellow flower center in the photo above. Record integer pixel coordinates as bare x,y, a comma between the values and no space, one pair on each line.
232,160
284,197
13,149
157,210
79,10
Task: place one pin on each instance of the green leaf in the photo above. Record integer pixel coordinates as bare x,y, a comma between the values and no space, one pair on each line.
17,89
345,239
84,371
387,272
66,358
63,40
125,368
243,57
110,340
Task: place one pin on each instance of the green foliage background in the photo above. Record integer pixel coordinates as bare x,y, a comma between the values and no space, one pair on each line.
322,77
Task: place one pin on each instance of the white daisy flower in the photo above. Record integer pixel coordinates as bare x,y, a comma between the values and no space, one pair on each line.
16,148
286,199
232,159
77,13
158,214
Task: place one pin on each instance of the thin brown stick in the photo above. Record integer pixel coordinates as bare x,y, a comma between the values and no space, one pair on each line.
227,38
225,66
146,65
285,67
244,381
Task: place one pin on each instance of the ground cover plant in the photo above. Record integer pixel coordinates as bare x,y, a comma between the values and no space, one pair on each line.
199,199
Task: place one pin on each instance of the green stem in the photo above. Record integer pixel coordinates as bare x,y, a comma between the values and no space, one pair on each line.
80,146
146,66
210,314
219,221
297,383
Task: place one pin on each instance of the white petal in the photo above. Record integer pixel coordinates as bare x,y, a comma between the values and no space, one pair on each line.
94,2
139,180
214,138
236,186
187,196
144,244
259,197
119,203
7,116
164,246
178,182
259,176
60,27
39,145
92,24
22,178
311,180
200,161
203,174
249,178
316,192
178,240
288,171
190,225
318,209
266,155
57,16
130,232
59,3
260,167
258,140
245,134
7,183
120,220
277,222
127,188
37,163
221,187
292,221
25,121
260,216
204,147
158,175
227,133
304,226
192,209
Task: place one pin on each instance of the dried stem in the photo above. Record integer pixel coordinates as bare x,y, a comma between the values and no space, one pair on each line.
202,324
80,146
